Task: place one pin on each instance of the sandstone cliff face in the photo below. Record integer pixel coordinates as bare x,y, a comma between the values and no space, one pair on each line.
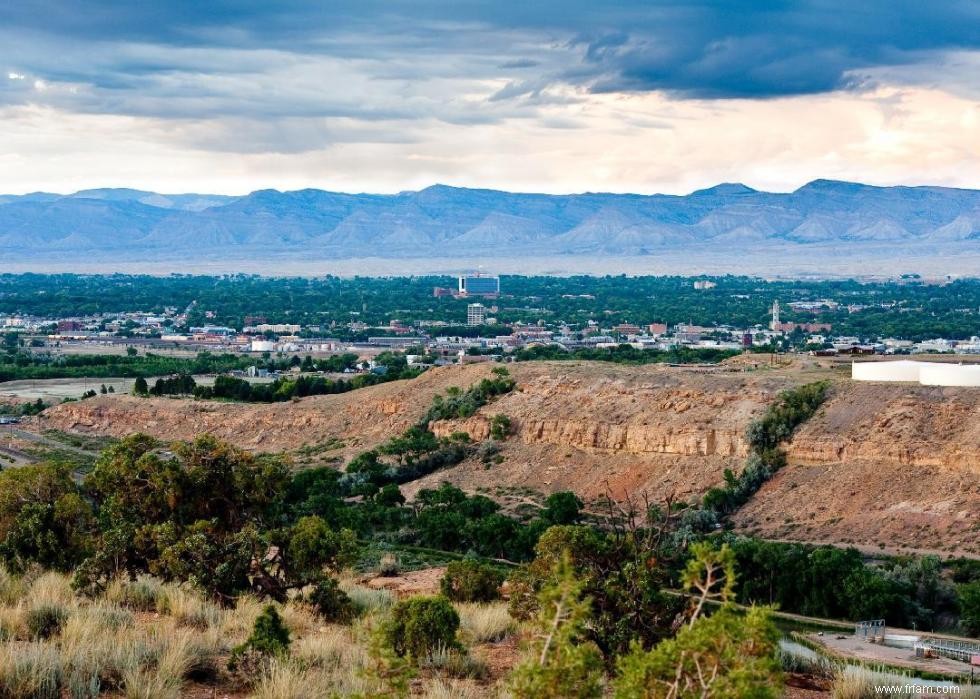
602,429
880,466
598,437
902,425
626,411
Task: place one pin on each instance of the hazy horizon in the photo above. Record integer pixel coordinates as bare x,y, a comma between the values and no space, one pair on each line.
783,190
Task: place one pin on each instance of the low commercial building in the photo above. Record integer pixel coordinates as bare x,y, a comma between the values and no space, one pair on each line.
394,341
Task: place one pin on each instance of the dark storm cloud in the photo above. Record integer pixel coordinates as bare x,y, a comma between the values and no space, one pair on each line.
399,60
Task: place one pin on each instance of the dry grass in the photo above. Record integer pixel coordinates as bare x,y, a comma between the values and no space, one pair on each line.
51,588
369,600
236,624
485,623
12,624
150,684
145,594
334,648
858,682
455,664
30,671
456,689
853,683
285,680
163,675
12,587
101,647
188,608
299,618
114,645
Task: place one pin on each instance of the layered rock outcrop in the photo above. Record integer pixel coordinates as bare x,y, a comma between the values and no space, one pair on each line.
882,466
626,410
903,425
604,429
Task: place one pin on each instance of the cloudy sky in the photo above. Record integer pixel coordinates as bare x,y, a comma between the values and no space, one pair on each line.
539,95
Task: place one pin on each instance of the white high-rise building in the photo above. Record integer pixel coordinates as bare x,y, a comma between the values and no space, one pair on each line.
476,314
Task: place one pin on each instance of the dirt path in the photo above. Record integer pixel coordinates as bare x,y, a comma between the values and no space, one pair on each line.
24,459
19,458
48,442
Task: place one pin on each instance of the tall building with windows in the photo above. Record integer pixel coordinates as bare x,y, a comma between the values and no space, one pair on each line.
479,285
476,314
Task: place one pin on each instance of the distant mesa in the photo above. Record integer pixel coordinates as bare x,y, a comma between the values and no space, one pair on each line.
728,189
842,220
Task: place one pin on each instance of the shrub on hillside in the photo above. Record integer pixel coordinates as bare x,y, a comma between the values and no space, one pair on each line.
500,426
270,638
471,581
792,408
420,626
389,565
563,507
331,603
727,654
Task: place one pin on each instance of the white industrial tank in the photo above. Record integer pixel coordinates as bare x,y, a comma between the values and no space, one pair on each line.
901,370
934,374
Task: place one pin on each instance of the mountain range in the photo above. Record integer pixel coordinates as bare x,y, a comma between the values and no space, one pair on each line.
107,224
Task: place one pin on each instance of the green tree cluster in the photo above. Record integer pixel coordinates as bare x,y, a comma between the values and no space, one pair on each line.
621,577
836,583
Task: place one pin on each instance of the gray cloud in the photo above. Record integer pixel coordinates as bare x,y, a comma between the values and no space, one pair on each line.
299,68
